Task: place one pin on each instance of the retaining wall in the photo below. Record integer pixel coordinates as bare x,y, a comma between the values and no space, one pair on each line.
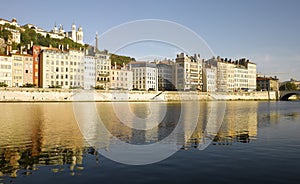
63,95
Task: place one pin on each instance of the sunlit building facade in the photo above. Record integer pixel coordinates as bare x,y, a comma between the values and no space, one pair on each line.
144,75
60,68
89,72
6,70
27,69
121,77
21,69
188,72
209,78
234,75
103,65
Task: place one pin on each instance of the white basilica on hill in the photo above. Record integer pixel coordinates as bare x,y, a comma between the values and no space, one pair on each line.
75,35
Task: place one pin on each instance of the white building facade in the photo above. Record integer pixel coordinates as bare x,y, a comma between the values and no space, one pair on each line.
144,75
234,75
209,78
63,69
89,72
252,72
13,22
6,70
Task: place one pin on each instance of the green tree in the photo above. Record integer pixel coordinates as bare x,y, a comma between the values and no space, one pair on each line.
10,26
119,60
2,84
258,88
289,86
28,85
27,36
15,46
5,34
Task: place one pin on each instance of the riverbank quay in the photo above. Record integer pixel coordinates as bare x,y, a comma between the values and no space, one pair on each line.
70,95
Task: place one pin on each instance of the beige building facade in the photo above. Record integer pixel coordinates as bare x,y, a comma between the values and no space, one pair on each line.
121,78
6,70
103,65
188,72
63,69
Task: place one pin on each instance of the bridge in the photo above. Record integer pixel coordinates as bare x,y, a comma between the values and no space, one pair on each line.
284,95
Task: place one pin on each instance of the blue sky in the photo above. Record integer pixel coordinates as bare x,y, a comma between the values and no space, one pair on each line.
265,31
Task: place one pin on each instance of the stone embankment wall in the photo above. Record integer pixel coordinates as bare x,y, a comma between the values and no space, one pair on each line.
63,95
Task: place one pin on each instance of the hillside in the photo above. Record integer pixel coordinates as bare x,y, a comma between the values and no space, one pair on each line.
119,60
29,36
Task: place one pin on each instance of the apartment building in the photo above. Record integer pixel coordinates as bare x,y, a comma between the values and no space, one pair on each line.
188,72
15,33
121,77
234,75
166,75
6,69
21,69
103,65
209,78
27,69
59,68
89,72
267,83
35,51
144,75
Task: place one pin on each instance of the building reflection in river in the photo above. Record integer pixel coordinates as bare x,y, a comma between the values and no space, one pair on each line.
240,123
39,135
33,135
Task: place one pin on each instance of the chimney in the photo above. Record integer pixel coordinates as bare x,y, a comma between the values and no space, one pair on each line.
8,50
31,43
62,47
67,46
115,65
50,46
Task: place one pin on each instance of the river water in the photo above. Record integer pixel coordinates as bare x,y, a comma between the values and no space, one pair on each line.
245,142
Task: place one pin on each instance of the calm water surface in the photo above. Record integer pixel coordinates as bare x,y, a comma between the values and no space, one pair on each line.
258,142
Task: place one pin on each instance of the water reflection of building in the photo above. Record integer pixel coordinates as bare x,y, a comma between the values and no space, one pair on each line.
239,124
112,124
44,134
138,123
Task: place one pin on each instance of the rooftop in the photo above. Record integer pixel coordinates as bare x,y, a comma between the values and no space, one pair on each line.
266,78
